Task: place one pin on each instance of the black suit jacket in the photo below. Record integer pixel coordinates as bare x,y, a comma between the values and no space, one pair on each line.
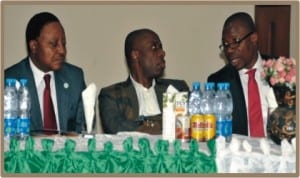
69,100
239,114
119,109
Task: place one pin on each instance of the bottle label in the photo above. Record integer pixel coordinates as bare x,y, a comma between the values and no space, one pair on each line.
23,126
210,126
197,124
227,127
183,128
223,126
220,123
10,125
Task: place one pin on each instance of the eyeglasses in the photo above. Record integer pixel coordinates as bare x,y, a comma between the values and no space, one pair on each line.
235,43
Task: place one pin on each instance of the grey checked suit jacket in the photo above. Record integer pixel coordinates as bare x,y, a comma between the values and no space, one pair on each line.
118,104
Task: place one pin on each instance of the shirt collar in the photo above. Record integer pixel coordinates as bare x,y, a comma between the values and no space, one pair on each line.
37,73
257,65
140,86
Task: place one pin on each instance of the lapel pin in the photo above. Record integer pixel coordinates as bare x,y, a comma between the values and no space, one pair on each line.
66,85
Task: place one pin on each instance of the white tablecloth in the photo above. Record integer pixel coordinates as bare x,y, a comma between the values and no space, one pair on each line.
242,155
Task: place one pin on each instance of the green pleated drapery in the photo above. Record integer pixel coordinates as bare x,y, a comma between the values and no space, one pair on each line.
109,160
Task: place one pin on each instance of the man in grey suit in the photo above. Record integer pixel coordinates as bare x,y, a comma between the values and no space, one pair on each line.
136,104
46,46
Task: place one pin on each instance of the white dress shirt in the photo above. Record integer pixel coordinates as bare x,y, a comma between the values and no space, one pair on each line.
40,86
267,96
148,104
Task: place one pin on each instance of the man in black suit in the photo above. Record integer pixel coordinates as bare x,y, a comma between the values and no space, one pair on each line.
136,103
240,46
46,46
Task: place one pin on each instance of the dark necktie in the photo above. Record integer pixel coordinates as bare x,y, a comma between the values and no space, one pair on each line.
49,115
254,107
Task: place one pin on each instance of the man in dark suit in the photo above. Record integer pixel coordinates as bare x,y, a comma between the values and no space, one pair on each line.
136,104
240,46
46,46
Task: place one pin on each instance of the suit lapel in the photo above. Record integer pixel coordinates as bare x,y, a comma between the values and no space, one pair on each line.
132,97
36,122
130,94
62,94
240,124
160,88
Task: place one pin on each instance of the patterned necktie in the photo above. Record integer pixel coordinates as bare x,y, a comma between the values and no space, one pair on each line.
49,115
254,107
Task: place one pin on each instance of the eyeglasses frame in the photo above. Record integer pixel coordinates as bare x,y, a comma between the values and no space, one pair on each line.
235,42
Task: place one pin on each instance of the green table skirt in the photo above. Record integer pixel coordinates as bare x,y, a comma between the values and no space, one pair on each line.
109,160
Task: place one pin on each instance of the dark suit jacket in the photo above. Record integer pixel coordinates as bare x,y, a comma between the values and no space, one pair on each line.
239,114
119,109
69,101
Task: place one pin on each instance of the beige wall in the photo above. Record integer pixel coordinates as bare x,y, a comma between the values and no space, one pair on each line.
95,36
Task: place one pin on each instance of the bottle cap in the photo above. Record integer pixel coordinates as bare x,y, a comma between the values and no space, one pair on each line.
23,81
196,85
10,82
226,85
208,86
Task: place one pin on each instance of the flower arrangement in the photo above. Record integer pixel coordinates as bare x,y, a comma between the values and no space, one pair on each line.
280,72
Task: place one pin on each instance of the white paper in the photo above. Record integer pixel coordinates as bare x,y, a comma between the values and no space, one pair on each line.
247,147
265,146
89,99
172,89
234,145
168,132
286,148
168,123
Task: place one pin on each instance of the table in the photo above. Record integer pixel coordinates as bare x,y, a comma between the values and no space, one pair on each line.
255,155
134,152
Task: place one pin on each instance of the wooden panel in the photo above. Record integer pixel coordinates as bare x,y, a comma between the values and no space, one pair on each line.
273,27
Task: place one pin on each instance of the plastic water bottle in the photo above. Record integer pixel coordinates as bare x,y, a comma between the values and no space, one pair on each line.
194,99
207,101
10,108
23,126
223,109
196,119
206,108
229,109
219,109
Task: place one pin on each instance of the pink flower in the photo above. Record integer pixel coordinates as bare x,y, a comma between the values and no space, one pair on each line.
293,80
281,80
292,72
288,78
269,63
289,61
281,71
279,65
281,59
